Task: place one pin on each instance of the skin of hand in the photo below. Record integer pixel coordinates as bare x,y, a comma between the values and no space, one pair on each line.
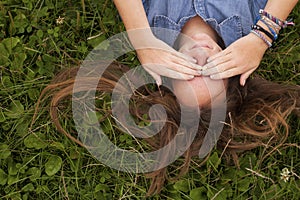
159,59
244,55
241,57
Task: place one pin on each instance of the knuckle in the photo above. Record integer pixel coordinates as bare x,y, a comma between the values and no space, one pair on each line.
220,69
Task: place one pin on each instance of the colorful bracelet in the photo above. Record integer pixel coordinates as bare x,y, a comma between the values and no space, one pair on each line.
269,24
258,34
281,23
261,29
275,35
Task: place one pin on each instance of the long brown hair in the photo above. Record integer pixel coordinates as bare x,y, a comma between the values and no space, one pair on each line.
256,114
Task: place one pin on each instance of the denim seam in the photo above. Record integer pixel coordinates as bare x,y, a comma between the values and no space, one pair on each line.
200,8
238,23
166,18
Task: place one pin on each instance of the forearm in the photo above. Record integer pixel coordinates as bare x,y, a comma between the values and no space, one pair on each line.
280,8
132,13
135,20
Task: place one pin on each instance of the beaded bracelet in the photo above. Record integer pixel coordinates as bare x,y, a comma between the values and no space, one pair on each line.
261,29
258,34
267,23
281,23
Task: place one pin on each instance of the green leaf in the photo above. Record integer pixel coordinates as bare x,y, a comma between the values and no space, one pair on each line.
12,179
4,151
42,188
53,165
47,58
3,177
22,127
40,33
6,82
214,161
243,185
4,60
16,110
42,12
33,94
50,31
101,187
2,117
94,42
34,173
198,193
29,29
28,188
182,185
18,61
35,141
13,167
58,145
74,154
10,43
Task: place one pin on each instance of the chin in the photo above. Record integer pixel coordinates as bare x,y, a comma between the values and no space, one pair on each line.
200,92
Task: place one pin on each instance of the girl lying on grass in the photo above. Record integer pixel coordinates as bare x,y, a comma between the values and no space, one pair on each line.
256,113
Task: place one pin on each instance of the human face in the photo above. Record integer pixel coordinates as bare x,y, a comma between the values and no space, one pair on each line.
200,91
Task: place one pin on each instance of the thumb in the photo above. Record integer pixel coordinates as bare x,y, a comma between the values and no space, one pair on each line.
244,77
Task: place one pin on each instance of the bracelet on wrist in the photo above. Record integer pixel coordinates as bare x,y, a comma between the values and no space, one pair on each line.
261,29
281,23
271,24
274,33
262,37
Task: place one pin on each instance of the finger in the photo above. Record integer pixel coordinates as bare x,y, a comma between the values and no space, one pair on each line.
183,63
211,68
219,55
171,68
185,69
225,74
185,57
163,46
219,60
225,61
200,55
245,76
170,73
155,76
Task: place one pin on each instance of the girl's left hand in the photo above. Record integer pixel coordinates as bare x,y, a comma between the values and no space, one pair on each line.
241,57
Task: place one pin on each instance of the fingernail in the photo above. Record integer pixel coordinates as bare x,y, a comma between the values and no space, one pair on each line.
244,82
158,83
193,60
213,76
208,65
208,60
199,72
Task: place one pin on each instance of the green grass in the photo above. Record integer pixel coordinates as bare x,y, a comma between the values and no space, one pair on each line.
44,164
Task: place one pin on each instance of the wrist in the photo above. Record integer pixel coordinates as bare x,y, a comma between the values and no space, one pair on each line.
261,45
141,38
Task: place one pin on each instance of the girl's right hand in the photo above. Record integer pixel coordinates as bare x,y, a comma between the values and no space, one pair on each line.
159,59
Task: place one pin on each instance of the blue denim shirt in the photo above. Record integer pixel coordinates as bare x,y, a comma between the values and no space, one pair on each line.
232,19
